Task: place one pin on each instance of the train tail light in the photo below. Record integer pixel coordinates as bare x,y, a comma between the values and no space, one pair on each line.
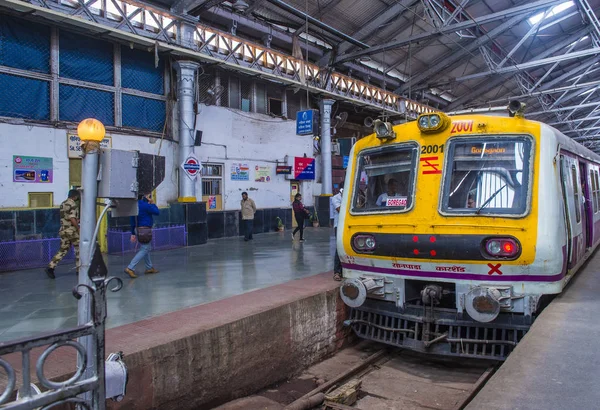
364,243
502,247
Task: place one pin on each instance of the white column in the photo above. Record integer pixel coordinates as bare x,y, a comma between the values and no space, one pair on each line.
325,107
186,85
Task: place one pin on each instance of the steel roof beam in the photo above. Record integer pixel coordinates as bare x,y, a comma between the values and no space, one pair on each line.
456,56
528,65
590,84
566,76
593,104
577,120
515,11
317,23
487,85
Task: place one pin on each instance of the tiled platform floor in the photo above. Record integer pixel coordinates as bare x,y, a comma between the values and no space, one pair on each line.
31,303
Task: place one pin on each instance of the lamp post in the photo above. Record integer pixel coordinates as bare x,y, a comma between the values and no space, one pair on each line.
91,132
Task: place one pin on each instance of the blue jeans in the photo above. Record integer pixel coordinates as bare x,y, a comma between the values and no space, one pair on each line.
143,253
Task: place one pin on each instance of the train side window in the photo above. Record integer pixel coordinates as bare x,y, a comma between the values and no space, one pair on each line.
576,193
385,179
487,176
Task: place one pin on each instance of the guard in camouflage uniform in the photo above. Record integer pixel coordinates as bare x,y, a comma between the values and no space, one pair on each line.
69,231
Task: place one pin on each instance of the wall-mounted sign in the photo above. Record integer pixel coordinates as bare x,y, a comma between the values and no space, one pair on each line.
307,122
283,170
345,163
262,173
240,172
191,166
74,144
304,168
32,169
212,202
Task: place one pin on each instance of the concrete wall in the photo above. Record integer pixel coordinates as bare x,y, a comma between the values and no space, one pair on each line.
229,137
39,141
255,139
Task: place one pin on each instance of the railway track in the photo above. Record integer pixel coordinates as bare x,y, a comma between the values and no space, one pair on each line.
387,379
399,379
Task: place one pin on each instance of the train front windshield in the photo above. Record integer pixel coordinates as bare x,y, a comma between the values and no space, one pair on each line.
487,176
385,179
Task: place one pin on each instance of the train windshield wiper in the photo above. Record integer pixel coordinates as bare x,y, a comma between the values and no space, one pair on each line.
490,199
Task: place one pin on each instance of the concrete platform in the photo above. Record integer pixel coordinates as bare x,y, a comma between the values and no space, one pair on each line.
204,356
31,303
557,364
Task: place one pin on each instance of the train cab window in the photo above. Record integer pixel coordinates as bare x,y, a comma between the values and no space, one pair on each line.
385,179
487,176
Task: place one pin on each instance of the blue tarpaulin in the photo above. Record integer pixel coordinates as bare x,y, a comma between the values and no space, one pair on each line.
24,97
138,71
140,112
78,103
86,59
24,45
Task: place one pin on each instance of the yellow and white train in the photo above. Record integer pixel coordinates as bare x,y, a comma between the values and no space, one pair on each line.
453,228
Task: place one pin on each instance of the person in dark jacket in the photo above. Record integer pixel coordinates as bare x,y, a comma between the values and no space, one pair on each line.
300,213
141,231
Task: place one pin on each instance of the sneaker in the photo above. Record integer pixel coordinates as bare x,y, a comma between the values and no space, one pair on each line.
50,273
301,239
131,273
151,270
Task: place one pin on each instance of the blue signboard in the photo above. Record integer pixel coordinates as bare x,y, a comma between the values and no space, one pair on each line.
304,122
346,158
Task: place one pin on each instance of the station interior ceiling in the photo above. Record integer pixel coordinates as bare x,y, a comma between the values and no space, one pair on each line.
449,54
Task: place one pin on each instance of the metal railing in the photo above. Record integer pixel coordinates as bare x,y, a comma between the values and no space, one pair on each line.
29,254
170,237
66,391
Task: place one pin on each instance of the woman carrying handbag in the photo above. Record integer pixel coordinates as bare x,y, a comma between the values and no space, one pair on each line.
300,213
141,231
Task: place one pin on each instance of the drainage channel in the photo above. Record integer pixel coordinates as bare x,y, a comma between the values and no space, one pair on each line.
372,376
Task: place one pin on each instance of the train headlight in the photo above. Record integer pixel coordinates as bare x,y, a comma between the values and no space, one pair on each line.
501,248
363,243
433,122
384,130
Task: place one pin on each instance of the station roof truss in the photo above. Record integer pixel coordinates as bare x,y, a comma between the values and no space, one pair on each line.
395,57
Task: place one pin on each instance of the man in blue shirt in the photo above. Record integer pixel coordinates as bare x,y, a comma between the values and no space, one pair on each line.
141,230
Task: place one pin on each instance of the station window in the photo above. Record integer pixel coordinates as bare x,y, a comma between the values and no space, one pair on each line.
487,176
40,199
275,106
385,179
212,186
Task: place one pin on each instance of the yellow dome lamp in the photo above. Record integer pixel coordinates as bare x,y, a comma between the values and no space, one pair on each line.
91,132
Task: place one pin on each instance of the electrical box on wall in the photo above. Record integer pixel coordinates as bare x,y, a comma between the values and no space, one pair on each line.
118,172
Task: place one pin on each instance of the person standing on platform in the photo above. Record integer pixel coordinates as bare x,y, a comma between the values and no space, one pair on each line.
69,231
300,213
337,264
248,211
141,231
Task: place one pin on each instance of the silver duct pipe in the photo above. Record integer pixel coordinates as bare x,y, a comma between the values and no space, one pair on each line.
186,81
326,186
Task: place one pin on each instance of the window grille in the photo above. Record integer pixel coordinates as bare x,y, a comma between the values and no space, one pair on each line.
40,200
212,179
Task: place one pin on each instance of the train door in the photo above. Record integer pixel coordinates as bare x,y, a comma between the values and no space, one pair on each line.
572,201
587,215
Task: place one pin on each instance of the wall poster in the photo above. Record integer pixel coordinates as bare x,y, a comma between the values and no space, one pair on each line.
32,169
240,172
262,173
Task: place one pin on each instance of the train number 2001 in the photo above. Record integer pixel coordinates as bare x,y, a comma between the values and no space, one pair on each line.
432,149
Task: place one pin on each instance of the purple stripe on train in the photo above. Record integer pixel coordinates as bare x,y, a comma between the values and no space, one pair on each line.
460,276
